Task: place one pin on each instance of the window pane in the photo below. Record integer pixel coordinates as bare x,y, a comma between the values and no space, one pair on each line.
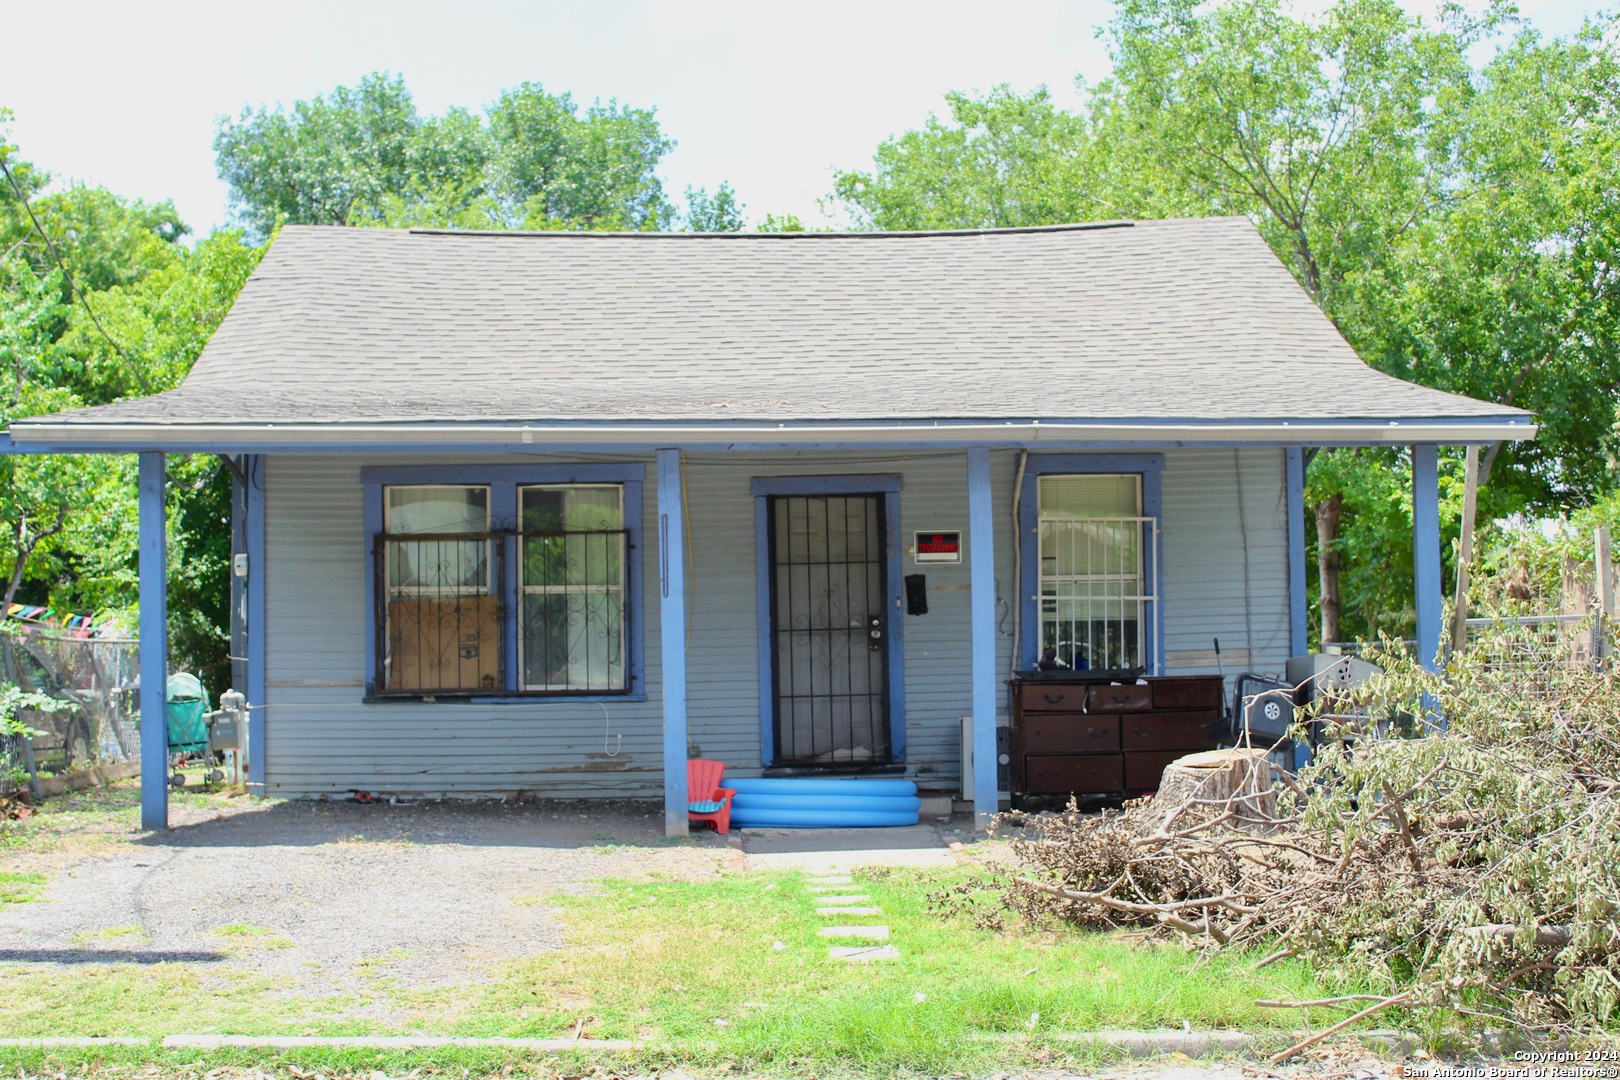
429,567
573,571
1098,495
573,641
443,625
1093,601
576,508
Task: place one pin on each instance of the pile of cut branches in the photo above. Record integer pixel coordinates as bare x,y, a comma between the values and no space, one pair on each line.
1474,867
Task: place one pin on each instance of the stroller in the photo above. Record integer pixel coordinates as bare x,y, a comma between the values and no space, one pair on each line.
186,711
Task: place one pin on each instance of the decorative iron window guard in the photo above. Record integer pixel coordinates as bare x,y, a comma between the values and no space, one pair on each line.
503,613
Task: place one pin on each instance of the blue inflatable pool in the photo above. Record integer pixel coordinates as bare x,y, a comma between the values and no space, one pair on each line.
890,804
794,803
793,785
819,819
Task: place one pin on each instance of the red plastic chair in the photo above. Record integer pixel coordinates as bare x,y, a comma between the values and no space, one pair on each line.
703,790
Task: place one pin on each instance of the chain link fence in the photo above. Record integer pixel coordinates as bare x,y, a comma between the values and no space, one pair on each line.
95,680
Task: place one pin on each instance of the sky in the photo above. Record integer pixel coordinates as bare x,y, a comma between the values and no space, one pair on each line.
772,97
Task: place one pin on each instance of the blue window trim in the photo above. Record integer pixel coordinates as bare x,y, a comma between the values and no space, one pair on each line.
1151,469
503,482
888,485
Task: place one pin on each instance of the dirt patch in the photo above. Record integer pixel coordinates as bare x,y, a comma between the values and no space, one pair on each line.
335,897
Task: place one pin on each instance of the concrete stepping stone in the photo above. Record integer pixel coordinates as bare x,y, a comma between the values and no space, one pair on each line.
818,889
842,912
843,898
863,954
867,933
832,879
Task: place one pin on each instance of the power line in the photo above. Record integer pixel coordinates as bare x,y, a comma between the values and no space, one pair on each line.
67,276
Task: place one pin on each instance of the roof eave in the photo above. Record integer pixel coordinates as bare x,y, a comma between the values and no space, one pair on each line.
41,435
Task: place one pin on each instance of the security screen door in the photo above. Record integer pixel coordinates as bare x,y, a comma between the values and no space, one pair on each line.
829,630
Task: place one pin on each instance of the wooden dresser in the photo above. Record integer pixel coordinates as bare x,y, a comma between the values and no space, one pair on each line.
1087,738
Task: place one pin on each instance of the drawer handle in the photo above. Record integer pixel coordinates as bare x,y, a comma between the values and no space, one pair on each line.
1144,732
1053,699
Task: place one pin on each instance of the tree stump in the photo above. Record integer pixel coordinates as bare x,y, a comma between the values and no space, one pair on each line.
1238,778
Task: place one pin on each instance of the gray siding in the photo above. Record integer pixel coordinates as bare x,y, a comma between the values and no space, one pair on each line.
321,737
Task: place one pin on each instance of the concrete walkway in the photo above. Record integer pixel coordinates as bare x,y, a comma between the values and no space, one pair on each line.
831,850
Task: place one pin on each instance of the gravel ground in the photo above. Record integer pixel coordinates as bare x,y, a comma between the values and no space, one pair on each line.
429,893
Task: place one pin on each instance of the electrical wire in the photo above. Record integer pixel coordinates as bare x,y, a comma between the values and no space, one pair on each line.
67,276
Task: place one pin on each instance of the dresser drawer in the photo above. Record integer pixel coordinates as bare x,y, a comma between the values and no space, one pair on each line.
1070,733
1052,697
1110,697
1182,730
1144,770
1188,692
1073,774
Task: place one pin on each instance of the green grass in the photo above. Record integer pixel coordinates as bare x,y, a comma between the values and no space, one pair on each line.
723,971
699,964
161,999
20,888
109,933
246,935
95,817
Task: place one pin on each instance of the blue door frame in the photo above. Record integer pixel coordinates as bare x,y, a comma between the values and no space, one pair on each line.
889,487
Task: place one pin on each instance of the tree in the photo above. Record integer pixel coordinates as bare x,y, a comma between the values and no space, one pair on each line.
717,213
1001,161
312,165
549,166
366,156
69,521
1456,224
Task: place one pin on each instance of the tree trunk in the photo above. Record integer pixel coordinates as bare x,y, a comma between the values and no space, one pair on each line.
1329,512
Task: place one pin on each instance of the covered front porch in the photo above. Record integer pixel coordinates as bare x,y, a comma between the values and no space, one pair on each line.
704,514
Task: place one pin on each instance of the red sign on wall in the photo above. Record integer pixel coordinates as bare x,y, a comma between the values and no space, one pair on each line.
939,547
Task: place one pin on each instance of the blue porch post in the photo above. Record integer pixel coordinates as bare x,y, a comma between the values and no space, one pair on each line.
1295,470
154,650
1426,552
672,634
254,466
982,581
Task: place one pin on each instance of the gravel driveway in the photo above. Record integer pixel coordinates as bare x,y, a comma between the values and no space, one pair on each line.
322,896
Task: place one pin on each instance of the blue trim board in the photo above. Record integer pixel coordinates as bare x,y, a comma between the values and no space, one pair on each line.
762,608
1294,477
838,484
894,626
503,482
253,467
672,630
1151,468
982,583
887,485
1426,552
154,643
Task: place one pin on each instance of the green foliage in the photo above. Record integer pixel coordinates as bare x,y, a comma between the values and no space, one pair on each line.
1458,224
1002,160
780,223
70,522
1511,822
717,213
366,156
13,700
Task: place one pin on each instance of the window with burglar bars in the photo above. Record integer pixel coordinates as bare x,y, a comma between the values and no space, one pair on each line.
1095,548
459,596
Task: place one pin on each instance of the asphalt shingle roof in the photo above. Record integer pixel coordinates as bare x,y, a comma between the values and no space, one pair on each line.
1188,320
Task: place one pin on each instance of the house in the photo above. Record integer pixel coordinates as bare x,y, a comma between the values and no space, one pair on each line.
547,513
